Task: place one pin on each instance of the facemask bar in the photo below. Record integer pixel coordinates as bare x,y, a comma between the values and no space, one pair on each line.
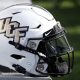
70,67
70,60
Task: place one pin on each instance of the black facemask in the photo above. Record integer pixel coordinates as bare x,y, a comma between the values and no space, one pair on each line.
59,53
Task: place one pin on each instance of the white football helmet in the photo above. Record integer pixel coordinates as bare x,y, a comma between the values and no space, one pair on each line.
33,42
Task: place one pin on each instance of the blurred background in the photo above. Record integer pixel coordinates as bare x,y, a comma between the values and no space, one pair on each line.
68,13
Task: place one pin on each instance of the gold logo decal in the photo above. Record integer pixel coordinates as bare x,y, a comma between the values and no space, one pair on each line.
12,29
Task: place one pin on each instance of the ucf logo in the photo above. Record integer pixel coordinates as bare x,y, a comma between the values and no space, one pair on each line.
12,29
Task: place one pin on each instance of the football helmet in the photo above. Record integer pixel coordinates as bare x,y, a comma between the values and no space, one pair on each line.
33,42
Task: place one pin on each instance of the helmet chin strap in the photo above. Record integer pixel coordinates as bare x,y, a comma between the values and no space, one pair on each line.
6,3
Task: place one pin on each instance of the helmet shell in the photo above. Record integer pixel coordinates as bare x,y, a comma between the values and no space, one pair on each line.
19,23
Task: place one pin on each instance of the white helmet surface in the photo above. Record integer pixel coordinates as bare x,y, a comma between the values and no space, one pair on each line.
32,41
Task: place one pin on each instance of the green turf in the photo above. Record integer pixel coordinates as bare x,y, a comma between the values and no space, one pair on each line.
68,13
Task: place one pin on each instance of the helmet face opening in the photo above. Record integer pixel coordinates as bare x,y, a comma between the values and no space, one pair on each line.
55,45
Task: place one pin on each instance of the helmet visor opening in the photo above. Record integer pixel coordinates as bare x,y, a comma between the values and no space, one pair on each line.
59,45
56,42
